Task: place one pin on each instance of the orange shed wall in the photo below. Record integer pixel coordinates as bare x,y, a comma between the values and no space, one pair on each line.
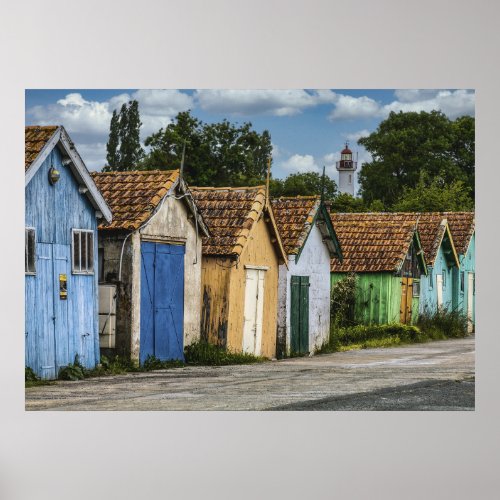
215,274
259,251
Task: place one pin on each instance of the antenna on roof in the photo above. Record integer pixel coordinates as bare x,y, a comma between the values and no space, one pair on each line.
323,185
181,169
267,180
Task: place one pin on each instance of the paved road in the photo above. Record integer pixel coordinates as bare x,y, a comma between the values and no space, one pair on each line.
433,376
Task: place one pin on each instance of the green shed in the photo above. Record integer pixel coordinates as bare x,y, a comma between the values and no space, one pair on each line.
388,259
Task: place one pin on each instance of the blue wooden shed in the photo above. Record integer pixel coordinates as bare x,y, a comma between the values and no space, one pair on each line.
62,208
463,229
437,290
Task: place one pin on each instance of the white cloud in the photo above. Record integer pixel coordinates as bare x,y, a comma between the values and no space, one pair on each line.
93,154
269,102
348,107
300,164
88,121
355,136
451,103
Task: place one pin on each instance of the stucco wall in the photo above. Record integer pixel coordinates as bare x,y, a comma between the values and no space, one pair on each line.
173,222
314,262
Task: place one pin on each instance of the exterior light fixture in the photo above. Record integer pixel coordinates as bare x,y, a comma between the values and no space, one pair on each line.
54,175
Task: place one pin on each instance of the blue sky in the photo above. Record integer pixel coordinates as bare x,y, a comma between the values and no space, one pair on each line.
308,127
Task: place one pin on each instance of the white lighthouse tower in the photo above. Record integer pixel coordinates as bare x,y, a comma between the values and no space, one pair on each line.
346,167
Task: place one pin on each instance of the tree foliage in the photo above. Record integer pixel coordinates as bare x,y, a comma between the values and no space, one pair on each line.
217,154
124,150
435,196
303,184
407,144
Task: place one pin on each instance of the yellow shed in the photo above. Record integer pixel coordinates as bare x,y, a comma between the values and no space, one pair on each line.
240,261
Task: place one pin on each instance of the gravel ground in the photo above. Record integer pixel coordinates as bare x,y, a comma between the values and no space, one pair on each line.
432,376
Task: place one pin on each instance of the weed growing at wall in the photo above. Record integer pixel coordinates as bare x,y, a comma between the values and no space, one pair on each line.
203,353
443,324
342,299
440,325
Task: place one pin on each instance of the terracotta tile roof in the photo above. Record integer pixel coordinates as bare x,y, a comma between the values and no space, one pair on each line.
229,214
371,245
462,226
430,230
35,138
294,216
133,196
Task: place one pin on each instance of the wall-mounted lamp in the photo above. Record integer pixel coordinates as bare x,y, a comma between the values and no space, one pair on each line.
54,175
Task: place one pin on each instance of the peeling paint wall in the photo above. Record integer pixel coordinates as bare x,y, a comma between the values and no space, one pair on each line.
314,262
173,222
378,297
223,293
215,299
259,251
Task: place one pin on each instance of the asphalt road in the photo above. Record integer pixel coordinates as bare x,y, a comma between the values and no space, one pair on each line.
432,376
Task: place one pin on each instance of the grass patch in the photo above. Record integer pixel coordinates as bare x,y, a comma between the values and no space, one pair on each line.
369,336
440,325
203,353
443,324
31,379
198,354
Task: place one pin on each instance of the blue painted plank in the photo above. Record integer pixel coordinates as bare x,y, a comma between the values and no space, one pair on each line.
147,340
169,302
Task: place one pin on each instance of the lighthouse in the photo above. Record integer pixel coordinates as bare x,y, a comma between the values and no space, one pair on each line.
346,167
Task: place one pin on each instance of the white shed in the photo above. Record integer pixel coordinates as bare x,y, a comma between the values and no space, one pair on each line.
310,242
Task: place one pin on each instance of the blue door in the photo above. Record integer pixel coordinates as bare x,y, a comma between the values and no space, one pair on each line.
162,301
61,255
44,313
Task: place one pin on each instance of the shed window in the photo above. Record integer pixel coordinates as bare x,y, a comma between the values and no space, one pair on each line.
83,251
431,278
444,278
29,251
462,281
416,288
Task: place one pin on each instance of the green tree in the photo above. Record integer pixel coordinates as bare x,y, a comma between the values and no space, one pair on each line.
406,144
113,155
345,202
435,196
303,184
217,154
124,150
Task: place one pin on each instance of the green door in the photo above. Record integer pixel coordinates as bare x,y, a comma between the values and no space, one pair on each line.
299,315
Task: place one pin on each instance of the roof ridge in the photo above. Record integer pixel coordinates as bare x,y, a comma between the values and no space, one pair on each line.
125,172
213,188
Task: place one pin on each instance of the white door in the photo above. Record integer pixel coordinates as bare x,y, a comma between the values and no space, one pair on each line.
439,288
470,300
254,311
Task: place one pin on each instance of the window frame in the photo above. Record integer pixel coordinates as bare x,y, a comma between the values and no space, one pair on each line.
81,271
416,282
26,231
430,272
